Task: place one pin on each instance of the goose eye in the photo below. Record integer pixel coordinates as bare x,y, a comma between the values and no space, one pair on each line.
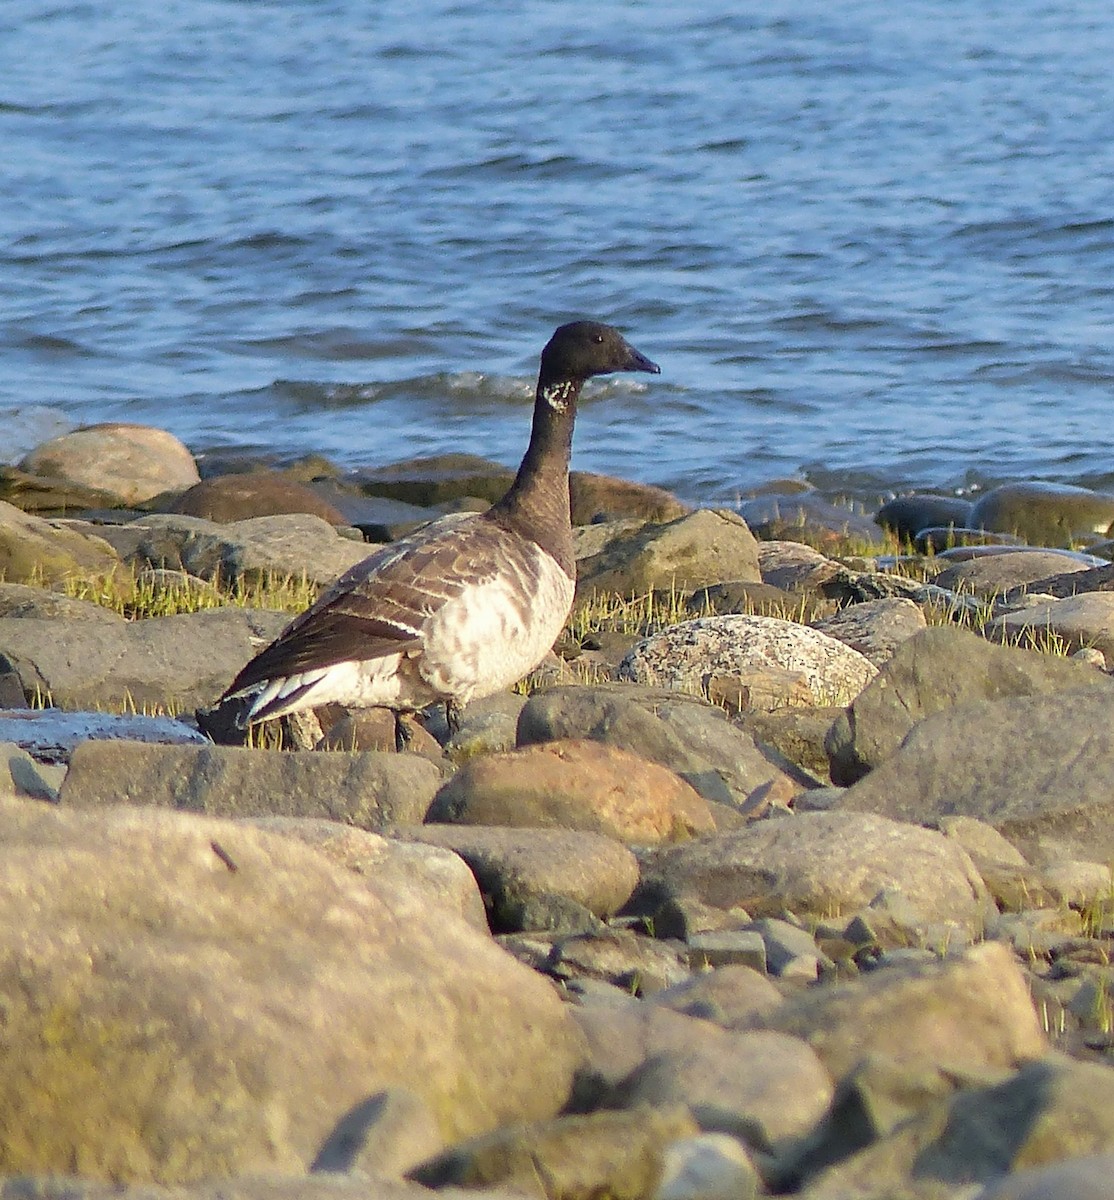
598,339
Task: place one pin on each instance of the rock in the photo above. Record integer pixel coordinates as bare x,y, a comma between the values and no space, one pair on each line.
701,548
1071,583
819,863
295,544
684,656
637,965
874,628
441,877
807,517
693,738
175,663
602,497
906,516
35,550
761,1087
728,996
437,479
370,790
51,734
741,596
963,1013
712,1166
378,518
229,498
132,462
487,726
23,600
1034,767
575,784
389,1133
1063,626
319,1186
24,778
794,567
619,1155
992,575
48,496
1086,1177
799,734
1048,514
372,729
234,995
936,670
515,866
1048,1110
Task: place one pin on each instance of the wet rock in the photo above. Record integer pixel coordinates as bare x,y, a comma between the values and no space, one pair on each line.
615,1154
123,977
176,662
993,575
938,669
132,462
228,498
35,550
874,628
693,738
370,790
575,784
1062,626
1048,514
683,657
701,548
1034,767
515,866
906,516
819,863
963,1013
807,517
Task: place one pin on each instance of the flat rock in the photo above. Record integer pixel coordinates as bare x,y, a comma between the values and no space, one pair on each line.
938,669
36,550
820,864
721,761
1063,626
133,462
50,734
514,866
234,995
700,548
289,545
1045,514
684,657
963,1013
228,498
874,628
575,784
176,663
370,790
1034,767
993,575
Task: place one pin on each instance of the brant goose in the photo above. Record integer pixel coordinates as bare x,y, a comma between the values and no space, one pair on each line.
461,608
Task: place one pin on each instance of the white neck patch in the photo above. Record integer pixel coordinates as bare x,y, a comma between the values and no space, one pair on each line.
558,395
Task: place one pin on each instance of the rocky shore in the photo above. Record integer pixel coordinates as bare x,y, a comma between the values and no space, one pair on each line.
789,872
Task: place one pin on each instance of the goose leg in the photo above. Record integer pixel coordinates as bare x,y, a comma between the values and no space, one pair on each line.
403,733
452,716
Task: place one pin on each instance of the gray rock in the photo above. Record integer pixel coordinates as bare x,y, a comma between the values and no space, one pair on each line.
994,575
806,516
695,739
1033,767
636,964
37,551
939,669
50,734
684,657
720,947
487,726
1061,626
798,734
22,777
614,1154
701,548
1086,1177
513,866
1048,514
24,600
819,863
712,1166
964,1013
761,1087
133,462
234,995
906,516
730,994
370,790
874,628
295,545
175,663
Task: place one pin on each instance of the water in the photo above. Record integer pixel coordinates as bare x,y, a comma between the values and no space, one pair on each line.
871,246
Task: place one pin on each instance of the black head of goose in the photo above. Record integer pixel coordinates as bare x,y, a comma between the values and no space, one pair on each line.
462,608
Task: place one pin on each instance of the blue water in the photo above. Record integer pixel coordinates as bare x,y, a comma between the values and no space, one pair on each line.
871,245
